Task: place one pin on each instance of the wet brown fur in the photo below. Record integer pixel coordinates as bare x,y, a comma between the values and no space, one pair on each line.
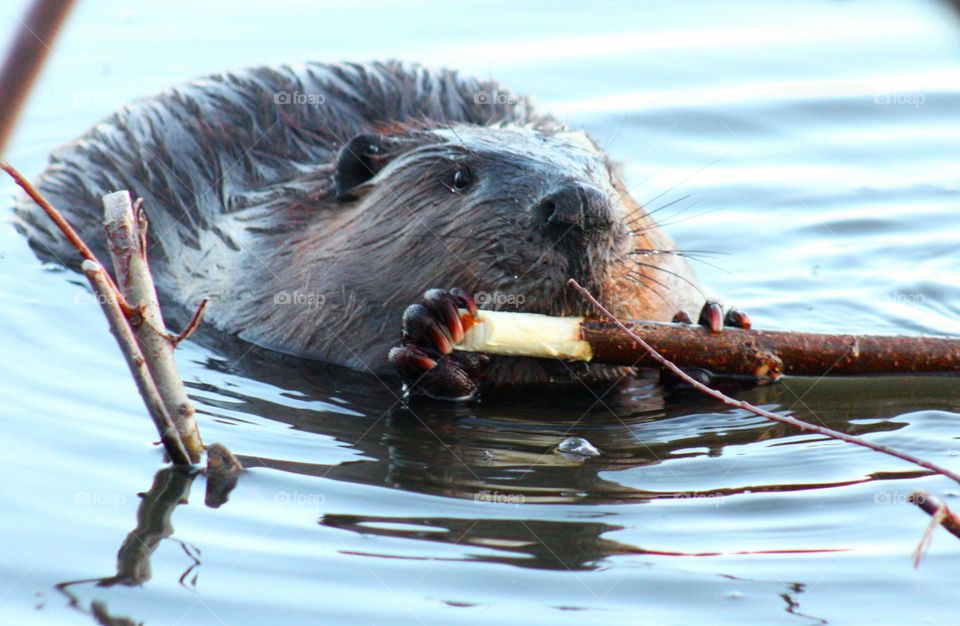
238,191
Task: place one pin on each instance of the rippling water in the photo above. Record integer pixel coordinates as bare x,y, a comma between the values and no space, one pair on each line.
813,148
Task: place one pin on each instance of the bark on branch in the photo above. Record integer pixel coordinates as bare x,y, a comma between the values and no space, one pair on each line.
740,404
768,354
133,312
126,238
765,355
107,297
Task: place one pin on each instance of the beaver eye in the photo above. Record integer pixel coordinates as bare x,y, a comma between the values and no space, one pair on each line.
462,179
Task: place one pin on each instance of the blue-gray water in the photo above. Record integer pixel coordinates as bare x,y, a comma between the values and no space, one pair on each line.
815,145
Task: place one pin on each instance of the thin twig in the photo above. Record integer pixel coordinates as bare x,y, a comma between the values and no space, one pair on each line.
106,296
25,58
192,326
940,515
79,245
54,214
740,404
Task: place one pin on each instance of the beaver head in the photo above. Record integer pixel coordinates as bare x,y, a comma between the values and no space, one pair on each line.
508,212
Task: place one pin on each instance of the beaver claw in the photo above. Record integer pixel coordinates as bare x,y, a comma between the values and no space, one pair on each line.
426,361
713,318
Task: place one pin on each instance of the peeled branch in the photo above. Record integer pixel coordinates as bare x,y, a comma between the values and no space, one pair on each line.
765,355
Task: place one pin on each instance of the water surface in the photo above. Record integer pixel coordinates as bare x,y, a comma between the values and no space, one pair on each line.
812,147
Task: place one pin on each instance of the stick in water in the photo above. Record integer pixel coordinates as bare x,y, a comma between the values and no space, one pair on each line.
768,354
126,238
740,404
140,332
107,297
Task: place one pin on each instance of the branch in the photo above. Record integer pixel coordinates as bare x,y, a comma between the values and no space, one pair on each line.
25,58
940,514
133,312
106,296
740,404
192,326
768,354
53,213
128,250
765,355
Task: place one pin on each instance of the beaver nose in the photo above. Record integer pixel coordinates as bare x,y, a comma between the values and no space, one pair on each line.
574,206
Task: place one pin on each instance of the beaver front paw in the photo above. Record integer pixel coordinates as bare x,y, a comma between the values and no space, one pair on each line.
713,318
426,361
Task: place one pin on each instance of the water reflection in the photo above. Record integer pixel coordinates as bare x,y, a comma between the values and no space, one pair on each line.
537,544
171,488
501,456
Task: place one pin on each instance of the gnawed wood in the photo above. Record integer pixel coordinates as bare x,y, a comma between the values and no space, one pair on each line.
126,239
760,354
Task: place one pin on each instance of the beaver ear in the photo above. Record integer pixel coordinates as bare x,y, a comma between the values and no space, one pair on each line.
359,161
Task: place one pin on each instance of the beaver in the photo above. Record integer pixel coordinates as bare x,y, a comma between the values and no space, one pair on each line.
316,206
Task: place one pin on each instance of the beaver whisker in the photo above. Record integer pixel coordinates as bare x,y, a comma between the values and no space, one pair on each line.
693,255
639,279
613,134
460,139
648,215
672,273
690,217
668,204
698,172
656,226
687,253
